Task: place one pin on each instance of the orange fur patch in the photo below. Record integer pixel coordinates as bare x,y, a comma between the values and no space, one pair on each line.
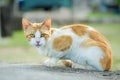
62,43
67,63
96,39
78,29
29,31
106,63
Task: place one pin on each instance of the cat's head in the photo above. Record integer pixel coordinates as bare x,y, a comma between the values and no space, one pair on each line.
37,34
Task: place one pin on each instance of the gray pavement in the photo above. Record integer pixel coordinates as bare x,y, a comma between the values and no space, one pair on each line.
34,71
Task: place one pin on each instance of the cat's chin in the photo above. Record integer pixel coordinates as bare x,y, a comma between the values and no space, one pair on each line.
38,46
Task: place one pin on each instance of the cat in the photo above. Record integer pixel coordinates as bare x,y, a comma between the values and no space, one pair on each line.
76,43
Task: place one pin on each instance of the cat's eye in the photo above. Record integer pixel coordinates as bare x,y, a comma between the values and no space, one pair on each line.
42,35
32,35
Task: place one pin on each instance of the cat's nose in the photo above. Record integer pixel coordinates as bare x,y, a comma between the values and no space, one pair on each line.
37,42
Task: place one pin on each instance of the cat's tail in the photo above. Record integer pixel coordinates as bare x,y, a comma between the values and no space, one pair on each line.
107,63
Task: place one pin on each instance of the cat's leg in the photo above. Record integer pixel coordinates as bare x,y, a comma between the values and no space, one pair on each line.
93,65
67,63
93,56
89,67
50,62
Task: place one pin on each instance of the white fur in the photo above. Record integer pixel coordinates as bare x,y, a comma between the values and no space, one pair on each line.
37,34
86,56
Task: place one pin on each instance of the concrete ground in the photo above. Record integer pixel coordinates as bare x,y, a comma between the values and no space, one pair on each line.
34,71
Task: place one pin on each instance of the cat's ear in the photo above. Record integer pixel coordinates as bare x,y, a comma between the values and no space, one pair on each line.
25,23
47,23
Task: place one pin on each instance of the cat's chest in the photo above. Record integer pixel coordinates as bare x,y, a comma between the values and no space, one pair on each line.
46,51
43,51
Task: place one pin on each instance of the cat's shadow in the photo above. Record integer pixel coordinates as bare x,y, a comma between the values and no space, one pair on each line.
63,69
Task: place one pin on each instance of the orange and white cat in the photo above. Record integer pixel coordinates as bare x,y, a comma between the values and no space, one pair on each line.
79,43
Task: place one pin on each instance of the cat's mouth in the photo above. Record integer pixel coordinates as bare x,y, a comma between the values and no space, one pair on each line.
38,45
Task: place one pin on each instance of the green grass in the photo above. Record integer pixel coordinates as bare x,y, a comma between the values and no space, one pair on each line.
18,39
100,15
17,48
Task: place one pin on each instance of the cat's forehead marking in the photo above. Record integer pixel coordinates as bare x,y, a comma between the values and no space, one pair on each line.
36,25
37,33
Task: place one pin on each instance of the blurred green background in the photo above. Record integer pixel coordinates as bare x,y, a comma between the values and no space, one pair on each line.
103,15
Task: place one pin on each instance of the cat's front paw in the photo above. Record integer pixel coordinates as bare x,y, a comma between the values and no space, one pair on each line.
50,62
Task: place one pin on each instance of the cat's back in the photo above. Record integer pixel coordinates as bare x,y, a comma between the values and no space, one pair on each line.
81,30
75,29
67,36
78,34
